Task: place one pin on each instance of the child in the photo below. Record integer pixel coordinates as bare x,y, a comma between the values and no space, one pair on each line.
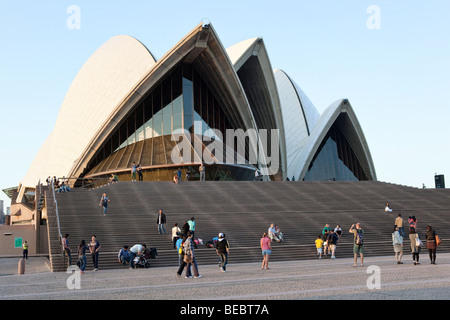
319,244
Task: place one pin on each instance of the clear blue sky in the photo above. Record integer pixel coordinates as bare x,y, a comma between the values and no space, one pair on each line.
396,77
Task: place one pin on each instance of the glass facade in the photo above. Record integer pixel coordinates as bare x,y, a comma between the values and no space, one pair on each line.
335,160
182,100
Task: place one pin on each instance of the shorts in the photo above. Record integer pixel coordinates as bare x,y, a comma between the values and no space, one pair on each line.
358,249
268,252
319,250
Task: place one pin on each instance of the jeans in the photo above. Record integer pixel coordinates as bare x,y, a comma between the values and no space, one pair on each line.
104,209
82,261
202,176
161,227
184,265
68,255
223,260
194,265
401,230
95,259
125,260
132,256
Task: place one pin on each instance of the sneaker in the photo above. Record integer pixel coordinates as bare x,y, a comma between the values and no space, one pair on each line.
188,277
178,275
199,276
333,257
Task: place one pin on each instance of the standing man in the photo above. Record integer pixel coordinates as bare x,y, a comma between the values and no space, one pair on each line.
358,244
191,224
133,171
104,203
161,221
222,248
94,246
399,223
201,169
25,250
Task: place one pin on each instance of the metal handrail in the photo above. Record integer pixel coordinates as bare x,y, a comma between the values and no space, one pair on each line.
57,217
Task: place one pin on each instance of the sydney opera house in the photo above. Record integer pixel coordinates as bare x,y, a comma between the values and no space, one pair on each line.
124,105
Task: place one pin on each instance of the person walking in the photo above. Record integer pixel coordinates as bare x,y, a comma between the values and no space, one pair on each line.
25,250
415,245
161,221
82,261
189,256
222,249
430,236
104,203
66,247
397,242
266,250
182,263
358,244
94,247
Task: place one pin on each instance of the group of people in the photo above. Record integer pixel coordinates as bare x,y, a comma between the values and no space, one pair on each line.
398,236
136,169
328,240
275,233
177,174
60,186
93,246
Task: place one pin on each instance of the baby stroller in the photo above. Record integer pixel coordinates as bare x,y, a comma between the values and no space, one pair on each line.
144,260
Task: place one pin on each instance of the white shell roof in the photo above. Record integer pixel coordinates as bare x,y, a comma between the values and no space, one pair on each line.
99,87
299,114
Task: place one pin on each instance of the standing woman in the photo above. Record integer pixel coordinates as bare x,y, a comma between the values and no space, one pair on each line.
397,242
415,249
430,236
266,250
82,256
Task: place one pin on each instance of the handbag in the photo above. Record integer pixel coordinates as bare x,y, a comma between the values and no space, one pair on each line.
187,258
418,242
438,240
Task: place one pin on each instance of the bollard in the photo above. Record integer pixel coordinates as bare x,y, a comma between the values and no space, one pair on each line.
21,267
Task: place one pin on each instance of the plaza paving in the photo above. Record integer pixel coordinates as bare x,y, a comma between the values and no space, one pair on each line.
305,279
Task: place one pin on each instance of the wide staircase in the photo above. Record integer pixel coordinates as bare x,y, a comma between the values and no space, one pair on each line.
244,211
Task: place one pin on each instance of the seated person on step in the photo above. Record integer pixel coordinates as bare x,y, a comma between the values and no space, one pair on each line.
272,233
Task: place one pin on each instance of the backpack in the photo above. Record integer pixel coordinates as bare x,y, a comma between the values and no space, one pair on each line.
359,239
